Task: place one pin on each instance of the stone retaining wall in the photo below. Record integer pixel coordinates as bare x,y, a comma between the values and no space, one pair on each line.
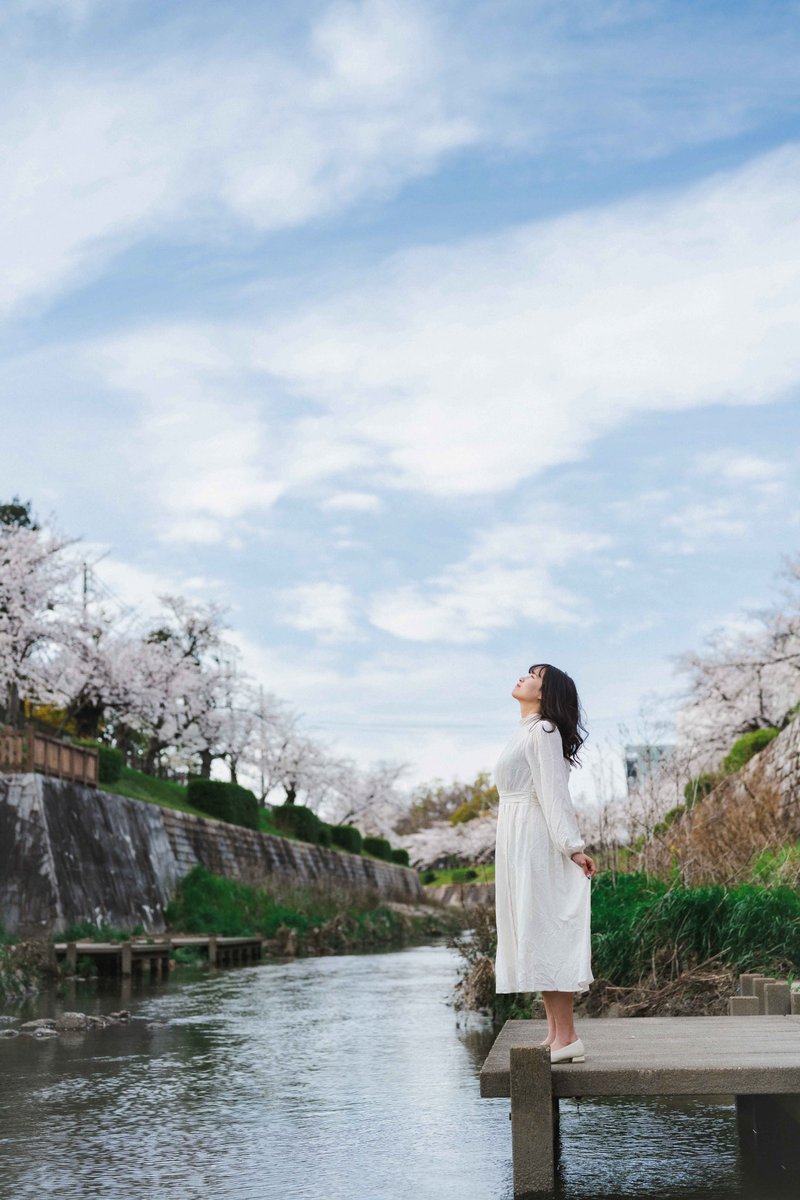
70,853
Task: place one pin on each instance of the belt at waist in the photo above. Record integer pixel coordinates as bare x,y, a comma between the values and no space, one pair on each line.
516,797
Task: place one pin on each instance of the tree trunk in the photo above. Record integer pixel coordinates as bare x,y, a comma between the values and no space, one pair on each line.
206,759
13,706
153,751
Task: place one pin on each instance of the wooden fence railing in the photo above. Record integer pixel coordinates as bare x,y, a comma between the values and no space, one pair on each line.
28,749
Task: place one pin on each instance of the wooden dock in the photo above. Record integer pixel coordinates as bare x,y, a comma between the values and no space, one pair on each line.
754,1058
140,956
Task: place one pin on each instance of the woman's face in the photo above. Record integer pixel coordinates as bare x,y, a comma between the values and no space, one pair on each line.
529,687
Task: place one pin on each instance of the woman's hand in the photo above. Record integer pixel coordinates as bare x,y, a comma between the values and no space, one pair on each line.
586,864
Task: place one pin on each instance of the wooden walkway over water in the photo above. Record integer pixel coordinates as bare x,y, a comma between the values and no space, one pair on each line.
754,1058
151,956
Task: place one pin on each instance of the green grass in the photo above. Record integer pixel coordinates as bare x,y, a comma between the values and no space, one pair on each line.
636,922
87,931
206,903
138,786
445,876
777,866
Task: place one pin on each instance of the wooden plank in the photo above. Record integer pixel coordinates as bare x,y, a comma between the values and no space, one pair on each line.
663,1055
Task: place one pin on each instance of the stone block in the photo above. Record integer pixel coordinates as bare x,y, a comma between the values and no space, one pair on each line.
777,1002
746,982
759,984
532,1140
743,1006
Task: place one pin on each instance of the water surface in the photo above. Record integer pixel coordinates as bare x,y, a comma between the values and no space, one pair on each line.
342,1077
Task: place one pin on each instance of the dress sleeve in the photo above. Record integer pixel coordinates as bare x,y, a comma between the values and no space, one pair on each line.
550,770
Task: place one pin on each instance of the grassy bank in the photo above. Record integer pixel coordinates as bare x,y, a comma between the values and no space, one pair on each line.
164,792
315,919
647,936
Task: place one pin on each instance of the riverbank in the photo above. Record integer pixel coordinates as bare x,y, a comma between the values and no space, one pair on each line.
294,920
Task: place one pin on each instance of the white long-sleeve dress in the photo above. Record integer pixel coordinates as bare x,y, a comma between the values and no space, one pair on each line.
542,897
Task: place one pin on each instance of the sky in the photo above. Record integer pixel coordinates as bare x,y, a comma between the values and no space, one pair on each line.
432,339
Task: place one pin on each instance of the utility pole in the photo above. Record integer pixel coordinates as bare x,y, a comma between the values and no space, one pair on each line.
261,737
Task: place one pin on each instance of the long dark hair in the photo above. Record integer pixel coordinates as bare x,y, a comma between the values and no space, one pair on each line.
560,704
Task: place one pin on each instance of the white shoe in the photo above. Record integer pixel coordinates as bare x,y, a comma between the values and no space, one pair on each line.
574,1052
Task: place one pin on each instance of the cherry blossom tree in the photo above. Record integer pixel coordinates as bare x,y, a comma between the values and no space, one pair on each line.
165,680
369,798
746,678
36,608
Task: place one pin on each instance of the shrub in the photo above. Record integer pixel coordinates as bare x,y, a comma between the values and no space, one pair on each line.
378,846
428,877
325,834
225,801
745,747
670,817
299,820
463,874
400,856
110,764
348,837
206,903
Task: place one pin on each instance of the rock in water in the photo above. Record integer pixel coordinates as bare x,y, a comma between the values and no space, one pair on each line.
70,1021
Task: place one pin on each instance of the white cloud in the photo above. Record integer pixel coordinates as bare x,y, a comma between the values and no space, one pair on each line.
704,521
107,155
463,370
507,576
131,136
578,324
472,367
323,609
351,502
763,475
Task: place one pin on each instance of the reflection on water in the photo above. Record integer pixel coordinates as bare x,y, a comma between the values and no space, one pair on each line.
339,1078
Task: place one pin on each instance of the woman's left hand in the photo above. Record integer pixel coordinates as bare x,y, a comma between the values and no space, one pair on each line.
586,864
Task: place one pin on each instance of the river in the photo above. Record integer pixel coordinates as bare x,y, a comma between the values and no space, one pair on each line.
345,1077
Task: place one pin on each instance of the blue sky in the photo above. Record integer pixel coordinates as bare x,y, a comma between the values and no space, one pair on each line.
434,339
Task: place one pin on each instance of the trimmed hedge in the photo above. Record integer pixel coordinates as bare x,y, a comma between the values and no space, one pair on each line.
463,874
110,764
299,820
400,856
348,837
325,835
225,801
380,847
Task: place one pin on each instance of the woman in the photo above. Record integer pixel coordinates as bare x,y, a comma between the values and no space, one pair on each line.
542,889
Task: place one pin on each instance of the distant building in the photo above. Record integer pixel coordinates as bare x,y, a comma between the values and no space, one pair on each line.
640,760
